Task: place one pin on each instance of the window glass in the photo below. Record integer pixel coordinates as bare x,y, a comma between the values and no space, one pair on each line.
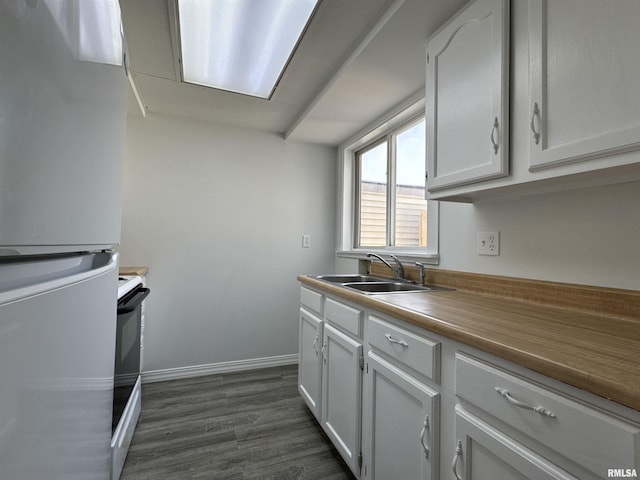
373,196
410,203
391,209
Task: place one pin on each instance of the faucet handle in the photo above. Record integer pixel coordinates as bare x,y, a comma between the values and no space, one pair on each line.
421,271
399,267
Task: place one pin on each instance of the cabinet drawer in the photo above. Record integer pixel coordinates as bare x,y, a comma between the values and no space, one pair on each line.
344,316
312,300
414,351
588,436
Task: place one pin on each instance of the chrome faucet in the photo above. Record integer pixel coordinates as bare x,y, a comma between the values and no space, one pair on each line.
420,272
399,270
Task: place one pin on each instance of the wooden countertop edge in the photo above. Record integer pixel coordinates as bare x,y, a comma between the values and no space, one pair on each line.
604,386
141,271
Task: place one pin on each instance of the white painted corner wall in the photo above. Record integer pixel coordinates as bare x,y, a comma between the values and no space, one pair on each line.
217,213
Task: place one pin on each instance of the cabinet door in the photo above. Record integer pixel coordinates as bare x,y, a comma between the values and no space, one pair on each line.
468,97
342,394
483,452
584,72
310,363
400,424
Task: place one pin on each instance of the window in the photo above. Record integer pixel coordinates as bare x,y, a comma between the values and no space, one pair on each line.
390,175
381,192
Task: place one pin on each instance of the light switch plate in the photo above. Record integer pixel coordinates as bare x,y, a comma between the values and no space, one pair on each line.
306,241
488,243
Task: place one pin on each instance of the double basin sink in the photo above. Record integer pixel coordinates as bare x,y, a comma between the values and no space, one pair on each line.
371,285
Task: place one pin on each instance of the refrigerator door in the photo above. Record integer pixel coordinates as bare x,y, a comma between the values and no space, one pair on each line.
63,94
57,345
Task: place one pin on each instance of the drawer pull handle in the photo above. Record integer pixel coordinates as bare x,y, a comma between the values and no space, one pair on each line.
454,465
393,340
541,410
425,428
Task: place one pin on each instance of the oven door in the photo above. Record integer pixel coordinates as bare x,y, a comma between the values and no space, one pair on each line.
127,358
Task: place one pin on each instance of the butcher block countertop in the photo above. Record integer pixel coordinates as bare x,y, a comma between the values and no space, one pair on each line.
598,352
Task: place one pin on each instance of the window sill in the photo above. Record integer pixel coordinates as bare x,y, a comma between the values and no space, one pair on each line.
403,256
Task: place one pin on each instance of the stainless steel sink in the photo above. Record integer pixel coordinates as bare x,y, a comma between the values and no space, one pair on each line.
371,285
385,287
349,278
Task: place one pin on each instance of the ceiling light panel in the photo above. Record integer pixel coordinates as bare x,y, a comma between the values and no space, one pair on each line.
240,45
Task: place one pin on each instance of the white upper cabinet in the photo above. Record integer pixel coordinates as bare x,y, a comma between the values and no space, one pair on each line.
584,80
467,106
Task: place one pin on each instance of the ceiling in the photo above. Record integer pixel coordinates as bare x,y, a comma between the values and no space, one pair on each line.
357,60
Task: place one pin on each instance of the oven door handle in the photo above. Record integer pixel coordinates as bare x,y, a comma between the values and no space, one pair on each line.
136,300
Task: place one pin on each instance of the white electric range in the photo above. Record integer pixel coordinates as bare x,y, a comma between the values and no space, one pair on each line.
127,391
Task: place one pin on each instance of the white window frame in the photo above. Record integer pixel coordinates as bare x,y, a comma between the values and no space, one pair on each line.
347,202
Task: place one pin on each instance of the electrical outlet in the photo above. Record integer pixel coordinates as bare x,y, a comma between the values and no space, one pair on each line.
488,243
306,241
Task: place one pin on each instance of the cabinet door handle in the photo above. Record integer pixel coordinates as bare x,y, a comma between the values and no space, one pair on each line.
536,113
425,429
541,410
393,340
324,349
454,465
496,124
315,344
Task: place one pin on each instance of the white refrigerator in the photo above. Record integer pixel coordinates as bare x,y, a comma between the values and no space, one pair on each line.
63,94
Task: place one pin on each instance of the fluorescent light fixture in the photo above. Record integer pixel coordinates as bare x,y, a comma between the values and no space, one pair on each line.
92,29
240,45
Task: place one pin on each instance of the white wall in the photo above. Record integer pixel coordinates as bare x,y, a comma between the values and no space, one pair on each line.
217,214
589,236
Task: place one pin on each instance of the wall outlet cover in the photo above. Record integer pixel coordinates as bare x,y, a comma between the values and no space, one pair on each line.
488,243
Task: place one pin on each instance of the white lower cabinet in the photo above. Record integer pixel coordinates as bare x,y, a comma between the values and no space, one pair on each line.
310,363
426,407
400,424
483,452
342,394
578,432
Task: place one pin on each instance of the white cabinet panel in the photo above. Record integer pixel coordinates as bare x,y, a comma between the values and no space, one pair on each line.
342,393
567,426
311,300
310,363
419,353
484,453
584,73
401,424
467,97
347,318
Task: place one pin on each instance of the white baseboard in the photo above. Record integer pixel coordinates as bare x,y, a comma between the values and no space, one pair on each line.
216,368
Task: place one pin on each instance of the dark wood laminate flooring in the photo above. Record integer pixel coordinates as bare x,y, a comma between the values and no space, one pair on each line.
240,426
